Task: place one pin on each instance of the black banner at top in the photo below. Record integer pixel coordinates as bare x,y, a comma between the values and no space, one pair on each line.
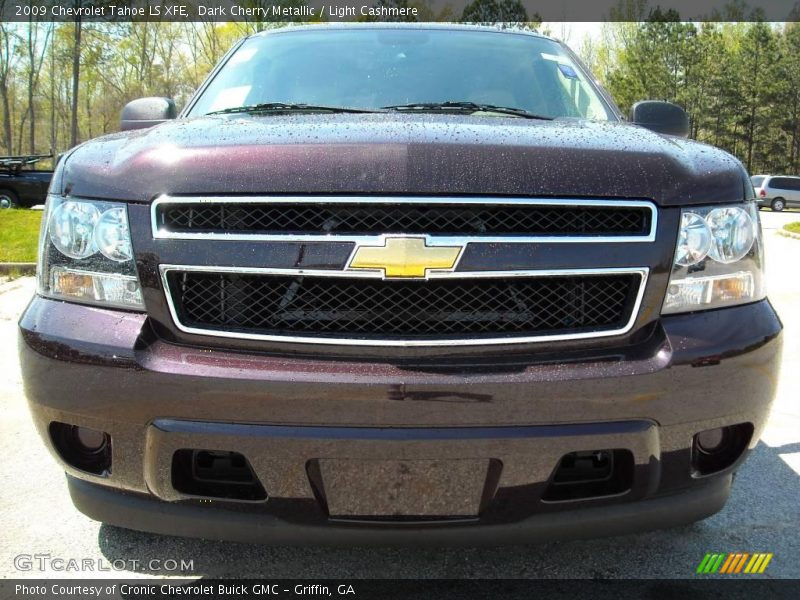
476,11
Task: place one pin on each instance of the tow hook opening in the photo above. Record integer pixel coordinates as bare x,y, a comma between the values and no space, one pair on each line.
83,448
591,474
216,474
714,450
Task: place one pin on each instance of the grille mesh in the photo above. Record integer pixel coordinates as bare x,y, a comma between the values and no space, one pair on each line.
385,309
409,218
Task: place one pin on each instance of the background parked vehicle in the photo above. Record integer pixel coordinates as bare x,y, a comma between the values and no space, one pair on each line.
777,191
20,184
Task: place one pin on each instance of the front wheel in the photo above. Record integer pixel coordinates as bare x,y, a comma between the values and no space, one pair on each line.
778,204
8,199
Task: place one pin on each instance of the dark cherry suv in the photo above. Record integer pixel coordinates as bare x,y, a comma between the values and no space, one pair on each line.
398,283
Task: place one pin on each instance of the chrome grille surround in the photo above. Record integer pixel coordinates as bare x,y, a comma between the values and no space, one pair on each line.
641,272
374,239
163,202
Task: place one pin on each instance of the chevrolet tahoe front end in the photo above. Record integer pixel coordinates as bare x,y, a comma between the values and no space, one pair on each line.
409,319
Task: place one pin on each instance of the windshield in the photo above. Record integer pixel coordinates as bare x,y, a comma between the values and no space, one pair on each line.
757,181
374,68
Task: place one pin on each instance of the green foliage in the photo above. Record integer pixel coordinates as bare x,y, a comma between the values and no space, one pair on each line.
739,82
119,62
494,11
19,234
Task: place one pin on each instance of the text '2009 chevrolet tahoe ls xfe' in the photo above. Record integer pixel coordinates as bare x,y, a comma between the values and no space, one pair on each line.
382,282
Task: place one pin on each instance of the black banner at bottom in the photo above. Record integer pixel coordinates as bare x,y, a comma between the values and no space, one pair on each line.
236,589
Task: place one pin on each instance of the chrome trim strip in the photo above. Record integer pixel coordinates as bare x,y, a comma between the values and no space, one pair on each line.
643,273
159,233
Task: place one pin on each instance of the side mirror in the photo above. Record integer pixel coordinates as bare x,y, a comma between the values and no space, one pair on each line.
661,117
146,112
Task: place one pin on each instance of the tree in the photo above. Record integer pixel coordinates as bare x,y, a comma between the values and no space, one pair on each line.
490,12
8,43
76,76
757,58
789,72
36,52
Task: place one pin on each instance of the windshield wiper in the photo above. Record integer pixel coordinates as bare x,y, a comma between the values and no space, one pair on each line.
288,107
469,107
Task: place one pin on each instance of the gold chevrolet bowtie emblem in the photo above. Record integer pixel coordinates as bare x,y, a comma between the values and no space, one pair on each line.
405,257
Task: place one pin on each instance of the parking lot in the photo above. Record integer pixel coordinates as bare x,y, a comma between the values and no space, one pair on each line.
761,516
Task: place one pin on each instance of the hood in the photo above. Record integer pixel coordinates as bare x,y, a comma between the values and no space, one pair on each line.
401,154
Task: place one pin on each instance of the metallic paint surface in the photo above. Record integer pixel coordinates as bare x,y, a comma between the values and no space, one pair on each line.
282,411
396,154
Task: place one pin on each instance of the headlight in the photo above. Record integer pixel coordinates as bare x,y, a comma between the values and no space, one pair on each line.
71,228
718,259
85,254
111,235
732,233
694,240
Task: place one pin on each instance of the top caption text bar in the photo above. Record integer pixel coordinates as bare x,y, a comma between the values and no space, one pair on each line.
483,11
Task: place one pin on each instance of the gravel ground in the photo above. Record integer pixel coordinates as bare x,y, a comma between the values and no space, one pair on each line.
762,515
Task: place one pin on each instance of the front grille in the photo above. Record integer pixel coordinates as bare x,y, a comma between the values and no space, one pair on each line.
286,218
366,308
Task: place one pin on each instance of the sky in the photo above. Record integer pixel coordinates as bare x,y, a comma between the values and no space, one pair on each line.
573,33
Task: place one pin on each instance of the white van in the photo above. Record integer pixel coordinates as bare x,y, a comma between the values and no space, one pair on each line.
777,191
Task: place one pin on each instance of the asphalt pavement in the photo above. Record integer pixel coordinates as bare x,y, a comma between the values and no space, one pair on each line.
763,514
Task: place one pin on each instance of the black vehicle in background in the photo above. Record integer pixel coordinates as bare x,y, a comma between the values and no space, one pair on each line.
20,184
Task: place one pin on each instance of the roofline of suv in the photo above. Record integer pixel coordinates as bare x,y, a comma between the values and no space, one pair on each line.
405,25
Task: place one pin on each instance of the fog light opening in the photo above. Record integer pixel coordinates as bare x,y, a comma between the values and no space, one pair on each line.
91,439
83,448
711,441
714,450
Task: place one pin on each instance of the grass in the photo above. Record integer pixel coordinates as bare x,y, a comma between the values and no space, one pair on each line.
19,234
793,227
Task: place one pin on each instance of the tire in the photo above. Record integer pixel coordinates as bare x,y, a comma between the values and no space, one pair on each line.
778,204
8,199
